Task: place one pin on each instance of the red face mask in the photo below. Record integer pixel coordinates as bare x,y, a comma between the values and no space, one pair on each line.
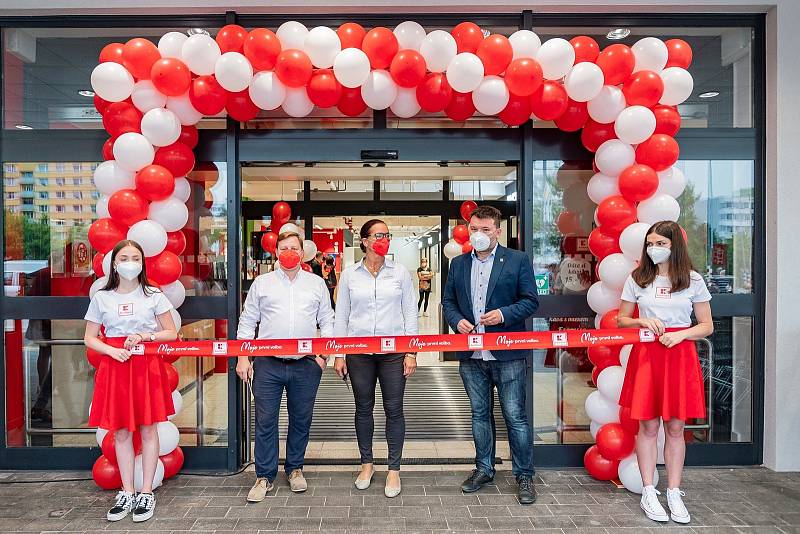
381,247
289,259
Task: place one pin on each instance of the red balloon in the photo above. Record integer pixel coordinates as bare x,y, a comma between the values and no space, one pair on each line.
282,212
108,149
171,76
643,88
177,158
668,120
434,93
100,105
172,376
104,234
614,442
517,111
460,107
609,319
106,474
269,242
630,425
176,242
207,95
595,134
189,136
261,48
574,118
293,68
603,356
550,101
351,103
616,62
170,357
109,445
240,107
128,207
164,268
173,462
495,53
97,264
616,213
93,356
138,56
523,76
351,35
604,241
461,234
306,267
468,36
324,90
586,49
275,226
466,209
120,118
231,38
466,248
568,223
679,53
380,45
638,182
659,152
155,182
112,52
408,68
599,467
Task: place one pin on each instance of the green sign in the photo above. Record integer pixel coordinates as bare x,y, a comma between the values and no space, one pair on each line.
542,284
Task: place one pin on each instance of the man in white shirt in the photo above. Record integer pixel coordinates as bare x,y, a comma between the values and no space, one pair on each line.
287,303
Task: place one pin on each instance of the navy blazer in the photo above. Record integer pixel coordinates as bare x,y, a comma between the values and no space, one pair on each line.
512,290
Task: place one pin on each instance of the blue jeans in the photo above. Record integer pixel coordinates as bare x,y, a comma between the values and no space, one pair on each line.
301,379
509,377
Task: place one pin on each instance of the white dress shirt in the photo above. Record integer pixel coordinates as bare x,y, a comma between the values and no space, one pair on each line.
382,305
286,309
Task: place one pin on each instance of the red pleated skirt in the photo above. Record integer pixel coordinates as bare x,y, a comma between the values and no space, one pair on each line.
130,394
664,382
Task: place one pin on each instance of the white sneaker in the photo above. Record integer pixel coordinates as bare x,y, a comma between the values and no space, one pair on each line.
677,509
652,508
425,314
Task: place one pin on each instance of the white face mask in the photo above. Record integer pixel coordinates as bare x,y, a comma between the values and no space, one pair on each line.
658,254
129,270
480,241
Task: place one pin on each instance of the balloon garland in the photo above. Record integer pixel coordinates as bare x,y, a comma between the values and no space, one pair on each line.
621,99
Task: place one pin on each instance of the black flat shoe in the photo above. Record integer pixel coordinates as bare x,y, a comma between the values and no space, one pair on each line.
526,493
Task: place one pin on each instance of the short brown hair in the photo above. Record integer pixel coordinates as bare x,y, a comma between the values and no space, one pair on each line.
287,235
487,212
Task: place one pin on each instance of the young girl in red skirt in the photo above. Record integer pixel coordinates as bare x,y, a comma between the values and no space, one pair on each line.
131,391
663,380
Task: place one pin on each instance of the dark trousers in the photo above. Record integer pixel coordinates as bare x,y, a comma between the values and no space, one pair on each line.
365,370
301,379
509,377
423,295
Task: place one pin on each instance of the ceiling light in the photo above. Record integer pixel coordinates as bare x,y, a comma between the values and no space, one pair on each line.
23,127
196,31
86,93
708,94
618,33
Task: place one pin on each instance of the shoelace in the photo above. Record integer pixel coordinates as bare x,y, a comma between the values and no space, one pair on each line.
122,498
474,476
145,500
651,496
679,492
525,484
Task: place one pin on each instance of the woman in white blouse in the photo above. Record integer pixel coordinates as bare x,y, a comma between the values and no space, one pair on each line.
376,298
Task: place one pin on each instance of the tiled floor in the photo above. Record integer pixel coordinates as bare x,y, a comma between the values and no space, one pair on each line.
720,500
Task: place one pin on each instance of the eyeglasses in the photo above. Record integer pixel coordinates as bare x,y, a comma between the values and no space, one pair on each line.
382,235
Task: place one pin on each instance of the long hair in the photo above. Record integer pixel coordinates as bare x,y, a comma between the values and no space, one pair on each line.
680,265
113,276
364,232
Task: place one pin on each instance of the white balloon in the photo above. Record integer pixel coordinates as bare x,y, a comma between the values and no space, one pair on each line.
138,474
584,82
97,285
651,54
405,105
291,227
600,409
602,298
631,240
171,44
607,105
597,319
309,250
629,475
614,156
171,213
145,96
102,206
491,96
296,103
615,269
380,90
175,293
322,44
409,35
624,355
671,182
438,48
678,86
351,67
150,235
635,124
524,43
465,72
609,382
292,35
112,82
183,189
182,107
161,127
200,52
107,263
600,187
100,434
556,57
233,71
177,403
593,428
133,152
168,437
452,249
659,207
176,318
267,91
110,178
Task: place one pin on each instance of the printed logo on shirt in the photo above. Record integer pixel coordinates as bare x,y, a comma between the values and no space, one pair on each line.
646,335
387,344
138,349
559,339
475,342
125,309
304,346
219,348
663,293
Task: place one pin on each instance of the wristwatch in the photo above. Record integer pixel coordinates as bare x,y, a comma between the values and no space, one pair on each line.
152,336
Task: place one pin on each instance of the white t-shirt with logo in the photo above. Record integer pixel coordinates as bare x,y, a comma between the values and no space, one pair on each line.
124,314
656,301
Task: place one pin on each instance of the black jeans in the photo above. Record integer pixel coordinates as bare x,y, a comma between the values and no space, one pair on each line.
365,370
423,295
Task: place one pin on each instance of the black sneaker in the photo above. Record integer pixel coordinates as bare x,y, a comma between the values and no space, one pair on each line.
476,481
144,507
526,493
122,507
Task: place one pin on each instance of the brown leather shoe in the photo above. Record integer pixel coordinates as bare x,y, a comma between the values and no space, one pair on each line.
297,482
259,490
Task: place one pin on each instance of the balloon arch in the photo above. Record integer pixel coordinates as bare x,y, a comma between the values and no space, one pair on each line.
622,99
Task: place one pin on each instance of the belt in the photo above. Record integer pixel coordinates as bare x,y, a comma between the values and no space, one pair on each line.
292,360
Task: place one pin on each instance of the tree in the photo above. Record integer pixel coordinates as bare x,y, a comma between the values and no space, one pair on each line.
696,229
